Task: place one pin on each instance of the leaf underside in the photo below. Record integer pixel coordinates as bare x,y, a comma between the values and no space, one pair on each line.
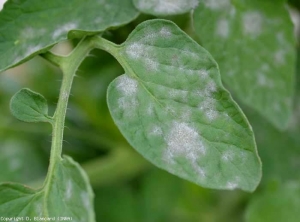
172,108
69,195
253,43
165,7
29,27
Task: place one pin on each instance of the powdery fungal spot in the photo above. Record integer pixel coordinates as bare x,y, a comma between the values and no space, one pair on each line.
183,140
38,209
85,200
32,49
167,6
186,115
203,73
227,156
127,104
231,185
216,4
262,80
15,164
222,28
135,50
126,85
150,109
151,64
279,57
211,114
210,88
252,23
64,29
69,189
171,110
156,130
165,32
65,95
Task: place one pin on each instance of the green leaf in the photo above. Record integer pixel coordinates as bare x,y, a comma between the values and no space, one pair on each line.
165,7
253,42
172,108
29,106
15,154
276,206
30,27
66,194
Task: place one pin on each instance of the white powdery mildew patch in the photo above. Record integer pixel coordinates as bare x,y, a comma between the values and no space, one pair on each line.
216,4
203,73
15,163
167,6
178,94
262,80
31,33
38,208
183,140
210,88
211,114
85,200
252,23
64,29
150,109
135,50
126,85
231,185
151,64
32,49
128,104
279,57
186,114
69,190
209,109
156,131
222,29
227,156
165,32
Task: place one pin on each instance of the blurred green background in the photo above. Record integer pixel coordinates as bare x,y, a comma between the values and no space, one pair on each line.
127,187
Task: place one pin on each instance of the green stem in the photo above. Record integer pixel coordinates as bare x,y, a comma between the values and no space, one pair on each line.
53,58
107,46
69,66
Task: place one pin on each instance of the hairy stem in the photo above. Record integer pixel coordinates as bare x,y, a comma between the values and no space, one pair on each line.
69,66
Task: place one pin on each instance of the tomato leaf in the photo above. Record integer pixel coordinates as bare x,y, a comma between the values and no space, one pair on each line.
29,106
30,27
66,194
172,108
253,42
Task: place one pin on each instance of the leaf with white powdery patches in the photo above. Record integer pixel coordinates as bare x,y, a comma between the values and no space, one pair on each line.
66,194
29,27
29,106
172,108
165,7
253,43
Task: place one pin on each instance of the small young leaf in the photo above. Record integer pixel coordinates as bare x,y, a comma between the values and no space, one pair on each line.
165,7
29,106
29,27
67,195
172,108
276,206
254,44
